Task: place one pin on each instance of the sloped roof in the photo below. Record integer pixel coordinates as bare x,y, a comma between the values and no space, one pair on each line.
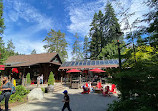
27,60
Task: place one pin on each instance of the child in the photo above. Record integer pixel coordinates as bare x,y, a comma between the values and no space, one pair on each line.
66,100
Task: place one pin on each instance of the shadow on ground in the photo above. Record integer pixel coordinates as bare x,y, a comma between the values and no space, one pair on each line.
78,102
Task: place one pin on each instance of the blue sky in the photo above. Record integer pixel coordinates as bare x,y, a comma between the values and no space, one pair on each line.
28,21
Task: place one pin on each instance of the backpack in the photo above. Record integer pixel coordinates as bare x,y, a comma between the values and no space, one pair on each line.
13,89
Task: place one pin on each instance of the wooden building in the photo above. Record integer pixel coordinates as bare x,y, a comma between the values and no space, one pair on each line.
35,64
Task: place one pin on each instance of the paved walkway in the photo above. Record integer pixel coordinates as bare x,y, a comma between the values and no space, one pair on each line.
78,102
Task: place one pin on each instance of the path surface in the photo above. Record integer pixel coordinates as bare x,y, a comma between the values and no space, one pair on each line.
78,102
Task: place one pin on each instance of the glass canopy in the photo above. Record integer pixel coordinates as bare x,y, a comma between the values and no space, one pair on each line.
91,62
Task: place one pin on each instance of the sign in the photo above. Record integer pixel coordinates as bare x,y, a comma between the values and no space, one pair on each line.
2,67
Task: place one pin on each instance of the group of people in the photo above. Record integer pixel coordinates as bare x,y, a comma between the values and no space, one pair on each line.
87,88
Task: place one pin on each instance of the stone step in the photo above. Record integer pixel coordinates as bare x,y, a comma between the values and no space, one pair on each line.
58,87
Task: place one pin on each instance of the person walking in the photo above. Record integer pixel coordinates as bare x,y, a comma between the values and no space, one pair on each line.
66,100
6,88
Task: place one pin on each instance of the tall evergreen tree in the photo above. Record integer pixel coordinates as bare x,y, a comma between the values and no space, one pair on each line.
33,51
111,25
1,18
152,18
77,52
85,48
104,29
56,43
1,31
100,27
96,35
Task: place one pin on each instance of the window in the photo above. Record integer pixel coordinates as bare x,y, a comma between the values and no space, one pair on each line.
72,64
68,63
106,62
76,64
64,64
92,62
101,62
84,63
88,63
115,61
111,62
97,63
80,63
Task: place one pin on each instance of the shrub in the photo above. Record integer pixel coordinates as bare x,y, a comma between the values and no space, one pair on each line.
28,78
20,94
43,89
51,79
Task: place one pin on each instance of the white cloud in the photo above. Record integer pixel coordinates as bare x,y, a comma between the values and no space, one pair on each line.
18,9
26,46
69,50
24,39
81,15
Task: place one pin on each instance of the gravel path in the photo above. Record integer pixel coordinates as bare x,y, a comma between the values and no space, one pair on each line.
78,102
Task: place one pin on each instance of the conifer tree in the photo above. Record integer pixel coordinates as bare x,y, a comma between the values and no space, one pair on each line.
28,78
51,79
111,25
56,43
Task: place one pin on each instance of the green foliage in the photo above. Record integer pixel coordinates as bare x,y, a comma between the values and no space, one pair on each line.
111,25
138,82
2,27
143,53
56,43
77,52
104,29
152,28
43,89
28,78
96,35
6,51
51,79
19,95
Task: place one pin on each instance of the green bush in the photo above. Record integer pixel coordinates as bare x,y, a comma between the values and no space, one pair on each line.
43,89
51,79
20,94
28,78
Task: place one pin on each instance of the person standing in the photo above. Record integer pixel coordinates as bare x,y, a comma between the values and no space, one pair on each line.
66,100
6,88
41,79
38,81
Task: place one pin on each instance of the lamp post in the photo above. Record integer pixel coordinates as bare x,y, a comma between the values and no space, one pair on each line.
119,54
118,44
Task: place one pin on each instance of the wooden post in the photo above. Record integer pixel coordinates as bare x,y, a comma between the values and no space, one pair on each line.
80,81
61,79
